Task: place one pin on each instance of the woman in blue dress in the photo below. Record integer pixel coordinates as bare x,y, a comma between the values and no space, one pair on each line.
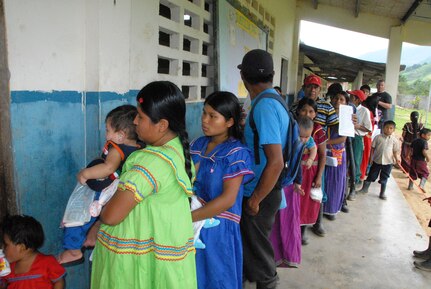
223,166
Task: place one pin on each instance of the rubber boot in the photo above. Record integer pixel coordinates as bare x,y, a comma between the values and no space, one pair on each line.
422,184
410,187
318,226
352,195
365,187
359,184
424,265
304,239
426,254
344,207
382,192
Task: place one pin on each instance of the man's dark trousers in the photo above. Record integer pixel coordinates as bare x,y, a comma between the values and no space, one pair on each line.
259,263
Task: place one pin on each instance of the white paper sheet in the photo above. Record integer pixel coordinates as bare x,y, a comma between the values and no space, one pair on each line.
346,127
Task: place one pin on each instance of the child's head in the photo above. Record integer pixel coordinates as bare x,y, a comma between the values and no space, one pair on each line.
388,127
221,114
366,89
305,128
340,98
358,96
21,234
119,124
162,111
334,89
425,133
414,116
307,107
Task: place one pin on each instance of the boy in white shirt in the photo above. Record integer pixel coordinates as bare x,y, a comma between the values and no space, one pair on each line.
362,127
384,149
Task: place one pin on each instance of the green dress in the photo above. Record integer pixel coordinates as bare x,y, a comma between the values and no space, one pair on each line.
152,248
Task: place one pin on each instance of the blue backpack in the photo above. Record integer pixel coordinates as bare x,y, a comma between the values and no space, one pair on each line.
293,150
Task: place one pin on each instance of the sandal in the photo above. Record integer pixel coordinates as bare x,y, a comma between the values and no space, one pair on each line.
73,262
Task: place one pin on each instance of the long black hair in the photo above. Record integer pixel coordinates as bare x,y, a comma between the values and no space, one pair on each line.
227,104
164,100
414,117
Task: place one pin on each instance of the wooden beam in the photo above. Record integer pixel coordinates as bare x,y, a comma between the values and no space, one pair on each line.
411,10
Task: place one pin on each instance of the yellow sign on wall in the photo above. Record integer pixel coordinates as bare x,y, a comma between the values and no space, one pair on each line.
245,24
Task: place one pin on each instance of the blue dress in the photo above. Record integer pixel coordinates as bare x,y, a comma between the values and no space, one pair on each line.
219,265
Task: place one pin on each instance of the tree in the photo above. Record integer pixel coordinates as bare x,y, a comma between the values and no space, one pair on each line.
403,86
416,101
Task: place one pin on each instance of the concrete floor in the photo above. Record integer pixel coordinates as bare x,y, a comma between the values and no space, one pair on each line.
370,247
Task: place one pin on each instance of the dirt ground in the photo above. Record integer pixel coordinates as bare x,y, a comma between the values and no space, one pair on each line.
415,198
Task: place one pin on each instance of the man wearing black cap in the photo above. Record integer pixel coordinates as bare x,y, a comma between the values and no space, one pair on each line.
261,199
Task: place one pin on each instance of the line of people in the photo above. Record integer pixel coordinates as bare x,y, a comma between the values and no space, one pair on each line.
144,235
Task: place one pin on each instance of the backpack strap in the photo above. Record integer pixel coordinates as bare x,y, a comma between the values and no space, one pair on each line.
255,132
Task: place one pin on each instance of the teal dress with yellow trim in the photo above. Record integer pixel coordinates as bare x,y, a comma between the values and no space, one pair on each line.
153,246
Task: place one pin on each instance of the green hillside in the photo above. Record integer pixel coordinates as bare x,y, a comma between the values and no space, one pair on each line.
417,72
415,79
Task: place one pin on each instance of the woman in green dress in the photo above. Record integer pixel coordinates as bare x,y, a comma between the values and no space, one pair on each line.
146,240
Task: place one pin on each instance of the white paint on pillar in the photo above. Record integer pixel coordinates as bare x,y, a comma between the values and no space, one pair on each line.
393,62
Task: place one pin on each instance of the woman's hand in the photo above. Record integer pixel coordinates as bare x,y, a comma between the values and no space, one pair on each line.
308,163
252,207
298,189
317,183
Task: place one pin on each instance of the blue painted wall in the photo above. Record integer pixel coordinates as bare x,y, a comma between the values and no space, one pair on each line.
54,135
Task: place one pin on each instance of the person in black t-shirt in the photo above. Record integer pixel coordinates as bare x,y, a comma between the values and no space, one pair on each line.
384,104
419,159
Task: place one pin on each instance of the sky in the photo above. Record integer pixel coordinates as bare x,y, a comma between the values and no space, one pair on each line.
340,40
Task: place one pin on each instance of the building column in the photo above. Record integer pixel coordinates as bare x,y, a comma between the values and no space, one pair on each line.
296,65
393,64
357,83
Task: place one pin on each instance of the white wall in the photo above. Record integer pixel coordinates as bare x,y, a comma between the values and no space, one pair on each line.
143,42
46,44
81,45
114,45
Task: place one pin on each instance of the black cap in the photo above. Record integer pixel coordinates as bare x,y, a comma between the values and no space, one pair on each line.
257,62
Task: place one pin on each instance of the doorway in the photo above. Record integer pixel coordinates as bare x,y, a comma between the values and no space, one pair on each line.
284,81
284,74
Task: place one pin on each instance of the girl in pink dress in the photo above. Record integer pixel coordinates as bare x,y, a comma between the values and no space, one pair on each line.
311,176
